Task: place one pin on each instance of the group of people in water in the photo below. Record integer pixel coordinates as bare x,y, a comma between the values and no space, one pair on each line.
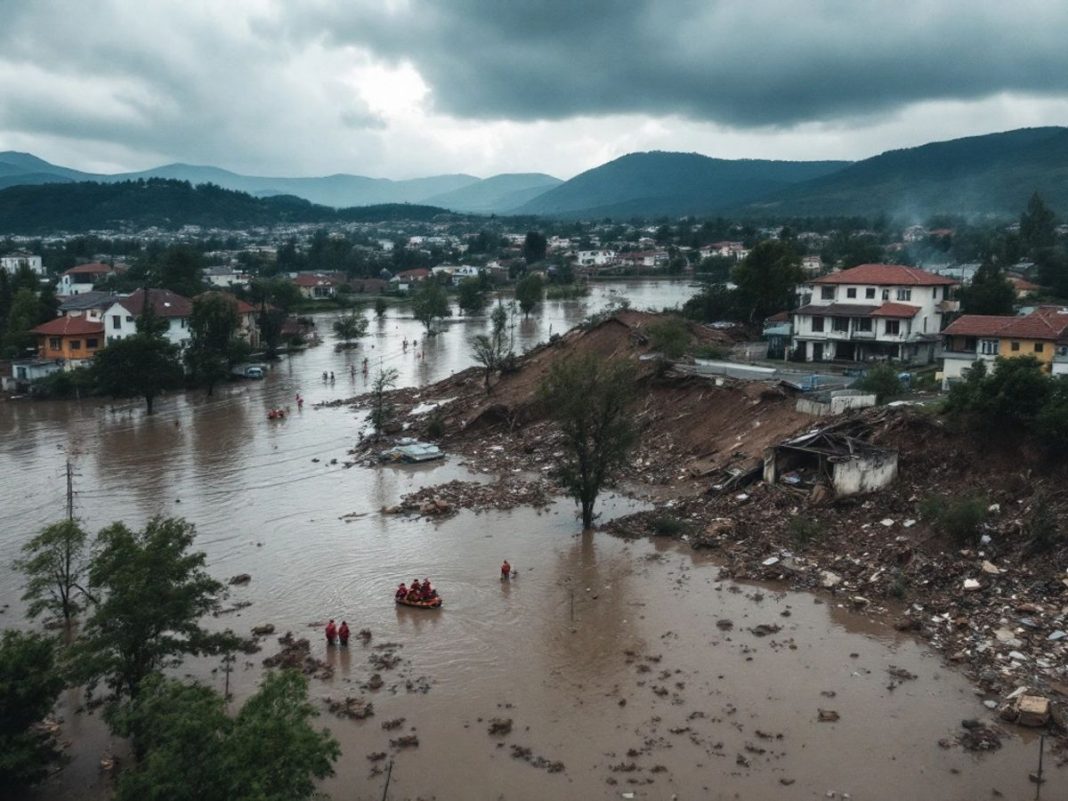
337,634
416,592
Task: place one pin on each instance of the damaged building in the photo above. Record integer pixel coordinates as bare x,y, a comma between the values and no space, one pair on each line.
845,463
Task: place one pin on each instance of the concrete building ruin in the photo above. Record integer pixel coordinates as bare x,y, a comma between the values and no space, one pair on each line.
846,464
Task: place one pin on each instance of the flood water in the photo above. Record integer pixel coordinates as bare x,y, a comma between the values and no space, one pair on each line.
591,622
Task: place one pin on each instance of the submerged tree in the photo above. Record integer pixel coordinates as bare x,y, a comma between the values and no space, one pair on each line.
589,398
54,563
213,329
430,303
529,292
381,408
144,365
350,327
191,750
151,590
29,687
471,299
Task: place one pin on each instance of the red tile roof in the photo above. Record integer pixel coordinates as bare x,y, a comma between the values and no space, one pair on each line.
885,275
242,306
164,303
69,326
1045,322
309,280
896,310
95,268
418,272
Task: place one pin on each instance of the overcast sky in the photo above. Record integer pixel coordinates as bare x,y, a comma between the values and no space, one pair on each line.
404,88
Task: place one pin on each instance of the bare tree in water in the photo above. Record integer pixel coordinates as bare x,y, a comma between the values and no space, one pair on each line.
381,408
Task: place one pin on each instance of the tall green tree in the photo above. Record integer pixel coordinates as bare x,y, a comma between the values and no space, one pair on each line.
534,247
989,292
213,329
766,280
493,349
430,303
590,399
1037,224
29,687
54,563
22,317
471,299
381,408
381,307
152,591
180,268
193,751
142,365
529,292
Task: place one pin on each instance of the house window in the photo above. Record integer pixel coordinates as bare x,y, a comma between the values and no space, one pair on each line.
841,324
904,294
863,324
886,294
988,347
91,344
116,321
827,292
1015,346
1039,347
817,324
129,318
869,293
75,344
851,292
893,328
53,343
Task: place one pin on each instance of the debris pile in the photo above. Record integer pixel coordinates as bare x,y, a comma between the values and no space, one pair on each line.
351,708
296,655
445,500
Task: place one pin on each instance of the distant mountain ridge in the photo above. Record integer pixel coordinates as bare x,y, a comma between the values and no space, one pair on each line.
339,190
988,174
658,182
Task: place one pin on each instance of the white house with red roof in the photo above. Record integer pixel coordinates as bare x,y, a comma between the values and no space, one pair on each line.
1042,334
120,318
871,312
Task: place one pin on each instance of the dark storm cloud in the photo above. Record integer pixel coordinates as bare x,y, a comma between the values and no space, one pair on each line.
744,63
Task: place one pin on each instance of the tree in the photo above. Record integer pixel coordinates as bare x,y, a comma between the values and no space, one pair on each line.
529,292
670,336
54,564
766,280
713,303
193,751
429,304
152,591
180,268
213,328
534,247
492,350
589,398
350,327
881,380
1052,422
1037,224
1013,394
989,292
381,306
29,687
144,365
471,300
21,318
381,408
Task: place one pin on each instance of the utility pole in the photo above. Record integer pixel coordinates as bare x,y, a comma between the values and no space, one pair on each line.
70,491
228,661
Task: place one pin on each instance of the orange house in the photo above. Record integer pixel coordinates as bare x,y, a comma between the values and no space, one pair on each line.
69,339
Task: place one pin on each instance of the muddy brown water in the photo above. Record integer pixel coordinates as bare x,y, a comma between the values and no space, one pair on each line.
642,630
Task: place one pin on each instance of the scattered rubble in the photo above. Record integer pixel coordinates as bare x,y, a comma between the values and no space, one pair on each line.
296,655
351,708
240,579
500,726
445,500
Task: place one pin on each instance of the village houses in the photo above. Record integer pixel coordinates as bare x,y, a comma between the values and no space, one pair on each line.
871,312
120,318
71,341
13,262
971,338
80,279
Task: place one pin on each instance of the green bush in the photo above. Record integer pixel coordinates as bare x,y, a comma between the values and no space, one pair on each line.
666,525
65,384
804,530
959,518
670,337
1043,531
881,380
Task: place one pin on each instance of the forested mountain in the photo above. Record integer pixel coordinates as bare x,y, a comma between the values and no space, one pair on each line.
497,195
994,173
168,204
671,183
